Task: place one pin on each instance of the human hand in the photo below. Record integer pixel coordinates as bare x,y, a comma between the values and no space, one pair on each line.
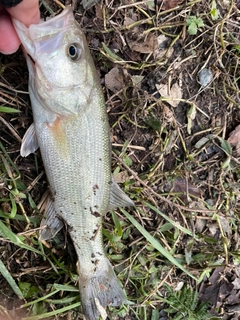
27,12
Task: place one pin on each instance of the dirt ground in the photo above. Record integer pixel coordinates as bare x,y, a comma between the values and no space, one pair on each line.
170,74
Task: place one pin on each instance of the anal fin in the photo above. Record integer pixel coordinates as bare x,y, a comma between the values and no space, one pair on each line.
118,198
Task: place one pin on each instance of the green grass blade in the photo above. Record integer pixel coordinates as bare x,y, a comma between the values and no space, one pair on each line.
117,224
172,222
8,110
8,234
5,273
9,159
110,236
57,287
156,244
62,301
111,54
19,217
65,287
40,299
53,313
13,212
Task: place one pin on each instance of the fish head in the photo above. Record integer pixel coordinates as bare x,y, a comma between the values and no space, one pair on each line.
60,65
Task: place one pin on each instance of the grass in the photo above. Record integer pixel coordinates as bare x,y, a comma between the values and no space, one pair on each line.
174,161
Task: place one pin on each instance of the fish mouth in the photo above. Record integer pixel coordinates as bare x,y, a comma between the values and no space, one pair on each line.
30,61
31,58
45,36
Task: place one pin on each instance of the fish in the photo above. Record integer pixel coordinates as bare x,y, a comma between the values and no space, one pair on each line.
71,128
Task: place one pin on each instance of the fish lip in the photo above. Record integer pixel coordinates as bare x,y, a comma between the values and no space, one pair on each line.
34,34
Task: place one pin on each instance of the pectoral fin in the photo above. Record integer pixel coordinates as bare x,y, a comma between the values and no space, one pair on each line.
118,198
29,142
50,224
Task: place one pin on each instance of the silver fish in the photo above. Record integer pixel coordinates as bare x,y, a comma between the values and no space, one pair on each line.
72,131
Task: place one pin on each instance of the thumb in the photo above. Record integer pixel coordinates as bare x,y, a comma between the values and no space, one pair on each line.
27,12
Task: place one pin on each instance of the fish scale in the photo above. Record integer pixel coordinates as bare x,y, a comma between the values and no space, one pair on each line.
72,172
71,129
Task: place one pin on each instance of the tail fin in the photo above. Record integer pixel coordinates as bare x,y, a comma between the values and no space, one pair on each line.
102,285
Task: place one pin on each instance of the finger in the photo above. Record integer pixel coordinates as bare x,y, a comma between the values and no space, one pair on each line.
27,12
9,41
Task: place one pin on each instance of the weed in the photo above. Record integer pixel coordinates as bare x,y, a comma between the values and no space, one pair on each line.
214,11
184,304
193,24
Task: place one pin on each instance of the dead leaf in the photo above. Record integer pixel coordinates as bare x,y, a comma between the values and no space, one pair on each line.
234,139
114,80
222,289
236,284
168,116
128,21
233,300
200,224
168,4
237,268
137,80
142,43
184,188
173,96
225,4
171,141
121,177
191,115
225,226
163,48
216,289
213,228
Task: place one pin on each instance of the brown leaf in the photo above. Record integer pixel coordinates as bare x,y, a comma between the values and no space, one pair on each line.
234,139
200,224
121,177
184,187
168,4
233,300
225,224
222,290
163,47
139,42
114,80
173,95
236,284
216,289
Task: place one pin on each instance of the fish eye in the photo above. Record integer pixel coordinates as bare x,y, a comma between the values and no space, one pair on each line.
74,51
